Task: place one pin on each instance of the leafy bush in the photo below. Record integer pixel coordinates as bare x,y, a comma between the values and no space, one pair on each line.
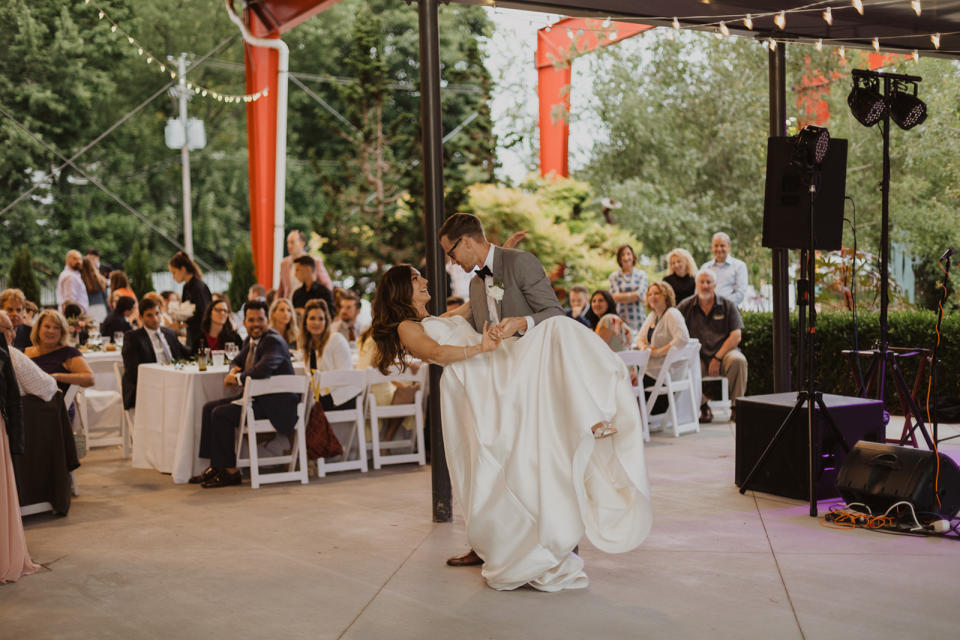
137,268
242,275
835,333
23,277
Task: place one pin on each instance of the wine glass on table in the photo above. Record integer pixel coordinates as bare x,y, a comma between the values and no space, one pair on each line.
231,350
118,339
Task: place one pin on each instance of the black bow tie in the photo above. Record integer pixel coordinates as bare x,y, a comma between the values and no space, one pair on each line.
484,272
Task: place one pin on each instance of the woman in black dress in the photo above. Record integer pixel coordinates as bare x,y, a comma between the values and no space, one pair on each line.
681,274
194,291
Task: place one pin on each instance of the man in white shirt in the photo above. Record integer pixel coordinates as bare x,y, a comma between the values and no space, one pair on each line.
31,378
730,273
70,287
148,344
348,323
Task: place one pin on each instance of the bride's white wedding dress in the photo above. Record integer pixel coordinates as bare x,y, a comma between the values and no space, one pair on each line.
524,464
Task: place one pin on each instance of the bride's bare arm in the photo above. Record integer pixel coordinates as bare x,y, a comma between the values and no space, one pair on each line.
419,344
463,311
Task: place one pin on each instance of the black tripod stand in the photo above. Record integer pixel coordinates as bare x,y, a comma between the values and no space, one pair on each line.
809,395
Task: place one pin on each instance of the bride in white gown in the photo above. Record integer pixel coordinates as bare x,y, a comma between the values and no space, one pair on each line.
518,418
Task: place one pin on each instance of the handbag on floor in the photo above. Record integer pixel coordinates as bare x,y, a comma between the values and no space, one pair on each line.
321,440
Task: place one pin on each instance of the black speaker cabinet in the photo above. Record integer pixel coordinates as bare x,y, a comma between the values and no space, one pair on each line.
785,471
880,475
786,202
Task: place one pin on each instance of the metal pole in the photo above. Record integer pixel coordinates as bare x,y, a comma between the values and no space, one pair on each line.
885,227
780,257
185,156
432,144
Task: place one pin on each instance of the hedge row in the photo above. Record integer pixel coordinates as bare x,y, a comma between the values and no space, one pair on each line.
835,333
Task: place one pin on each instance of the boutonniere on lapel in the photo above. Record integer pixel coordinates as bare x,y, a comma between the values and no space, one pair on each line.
495,290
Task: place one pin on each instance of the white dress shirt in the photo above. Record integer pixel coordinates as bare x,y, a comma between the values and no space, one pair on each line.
491,303
70,288
731,277
33,380
160,347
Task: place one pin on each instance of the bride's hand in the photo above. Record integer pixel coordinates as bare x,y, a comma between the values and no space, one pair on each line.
491,337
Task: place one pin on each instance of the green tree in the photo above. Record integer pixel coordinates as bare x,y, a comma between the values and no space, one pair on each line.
23,277
242,275
137,268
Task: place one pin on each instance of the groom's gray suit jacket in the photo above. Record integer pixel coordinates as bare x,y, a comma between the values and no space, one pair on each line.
526,289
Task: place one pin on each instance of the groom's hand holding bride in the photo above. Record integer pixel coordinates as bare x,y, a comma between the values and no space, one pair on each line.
492,337
511,326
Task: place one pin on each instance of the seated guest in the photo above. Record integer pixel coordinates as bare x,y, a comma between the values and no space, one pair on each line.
257,292
664,328
165,318
579,304
311,289
283,320
605,322
119,320
325,350
387,393
601,304
31,310
31,378
119,287
729,273
14,303
347,323
216,329
716,323
680,274
264,355
51,352
150,343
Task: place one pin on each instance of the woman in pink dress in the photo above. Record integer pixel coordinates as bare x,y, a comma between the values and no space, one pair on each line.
14,558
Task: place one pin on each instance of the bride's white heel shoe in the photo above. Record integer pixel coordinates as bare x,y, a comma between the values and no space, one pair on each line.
603,430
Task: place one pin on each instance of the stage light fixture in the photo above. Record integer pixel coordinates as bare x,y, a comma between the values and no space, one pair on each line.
811,146
866,103
906,109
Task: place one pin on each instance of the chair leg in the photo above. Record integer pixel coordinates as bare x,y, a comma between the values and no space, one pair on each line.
374,433
421,449
361,445
672,403
254,463
301,444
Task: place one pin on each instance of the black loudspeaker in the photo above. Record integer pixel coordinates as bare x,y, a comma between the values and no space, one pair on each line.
880,475
785,471
786,203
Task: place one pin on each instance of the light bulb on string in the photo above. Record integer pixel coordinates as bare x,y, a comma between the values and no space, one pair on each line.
916,56
819,44
843,53
113,28
828,16
935,39
748,22
772,44
139,51
676,25
724,30
130,39
858,5
781,20
876,45
915,5
100,15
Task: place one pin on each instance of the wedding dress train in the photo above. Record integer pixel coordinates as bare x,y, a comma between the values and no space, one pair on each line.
524,464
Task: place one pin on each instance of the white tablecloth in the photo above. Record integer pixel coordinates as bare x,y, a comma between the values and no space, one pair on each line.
166,427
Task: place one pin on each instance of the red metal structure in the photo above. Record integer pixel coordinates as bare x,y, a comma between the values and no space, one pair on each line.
267,19
557,46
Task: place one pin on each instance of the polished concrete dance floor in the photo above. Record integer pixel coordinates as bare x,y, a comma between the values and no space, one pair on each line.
356,556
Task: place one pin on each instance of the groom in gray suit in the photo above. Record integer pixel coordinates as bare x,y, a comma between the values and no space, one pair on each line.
510,289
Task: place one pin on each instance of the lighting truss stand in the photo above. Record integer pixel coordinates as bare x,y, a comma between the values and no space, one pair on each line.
883,356
810,396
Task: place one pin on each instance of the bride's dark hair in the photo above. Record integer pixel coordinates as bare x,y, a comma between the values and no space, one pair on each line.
392,305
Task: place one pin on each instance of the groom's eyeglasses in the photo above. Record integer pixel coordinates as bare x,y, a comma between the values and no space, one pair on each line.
454,247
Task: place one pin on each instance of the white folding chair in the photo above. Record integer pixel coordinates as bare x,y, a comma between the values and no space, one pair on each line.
251,426
637,361
414,444
345,378
126,415
675,381
721,407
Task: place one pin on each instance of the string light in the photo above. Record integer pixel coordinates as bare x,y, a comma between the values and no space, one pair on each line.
858,5
781,20
828,16
915,5
819,44
150,58
876,45
772,44
748,22
916,56
724,30
676,25
843,54
935,39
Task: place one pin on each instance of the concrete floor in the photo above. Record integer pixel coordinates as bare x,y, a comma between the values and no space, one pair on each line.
356,556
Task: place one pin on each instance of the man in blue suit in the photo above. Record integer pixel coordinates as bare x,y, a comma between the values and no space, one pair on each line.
264,354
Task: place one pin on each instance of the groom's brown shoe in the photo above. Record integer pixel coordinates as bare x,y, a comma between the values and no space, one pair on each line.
469,559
